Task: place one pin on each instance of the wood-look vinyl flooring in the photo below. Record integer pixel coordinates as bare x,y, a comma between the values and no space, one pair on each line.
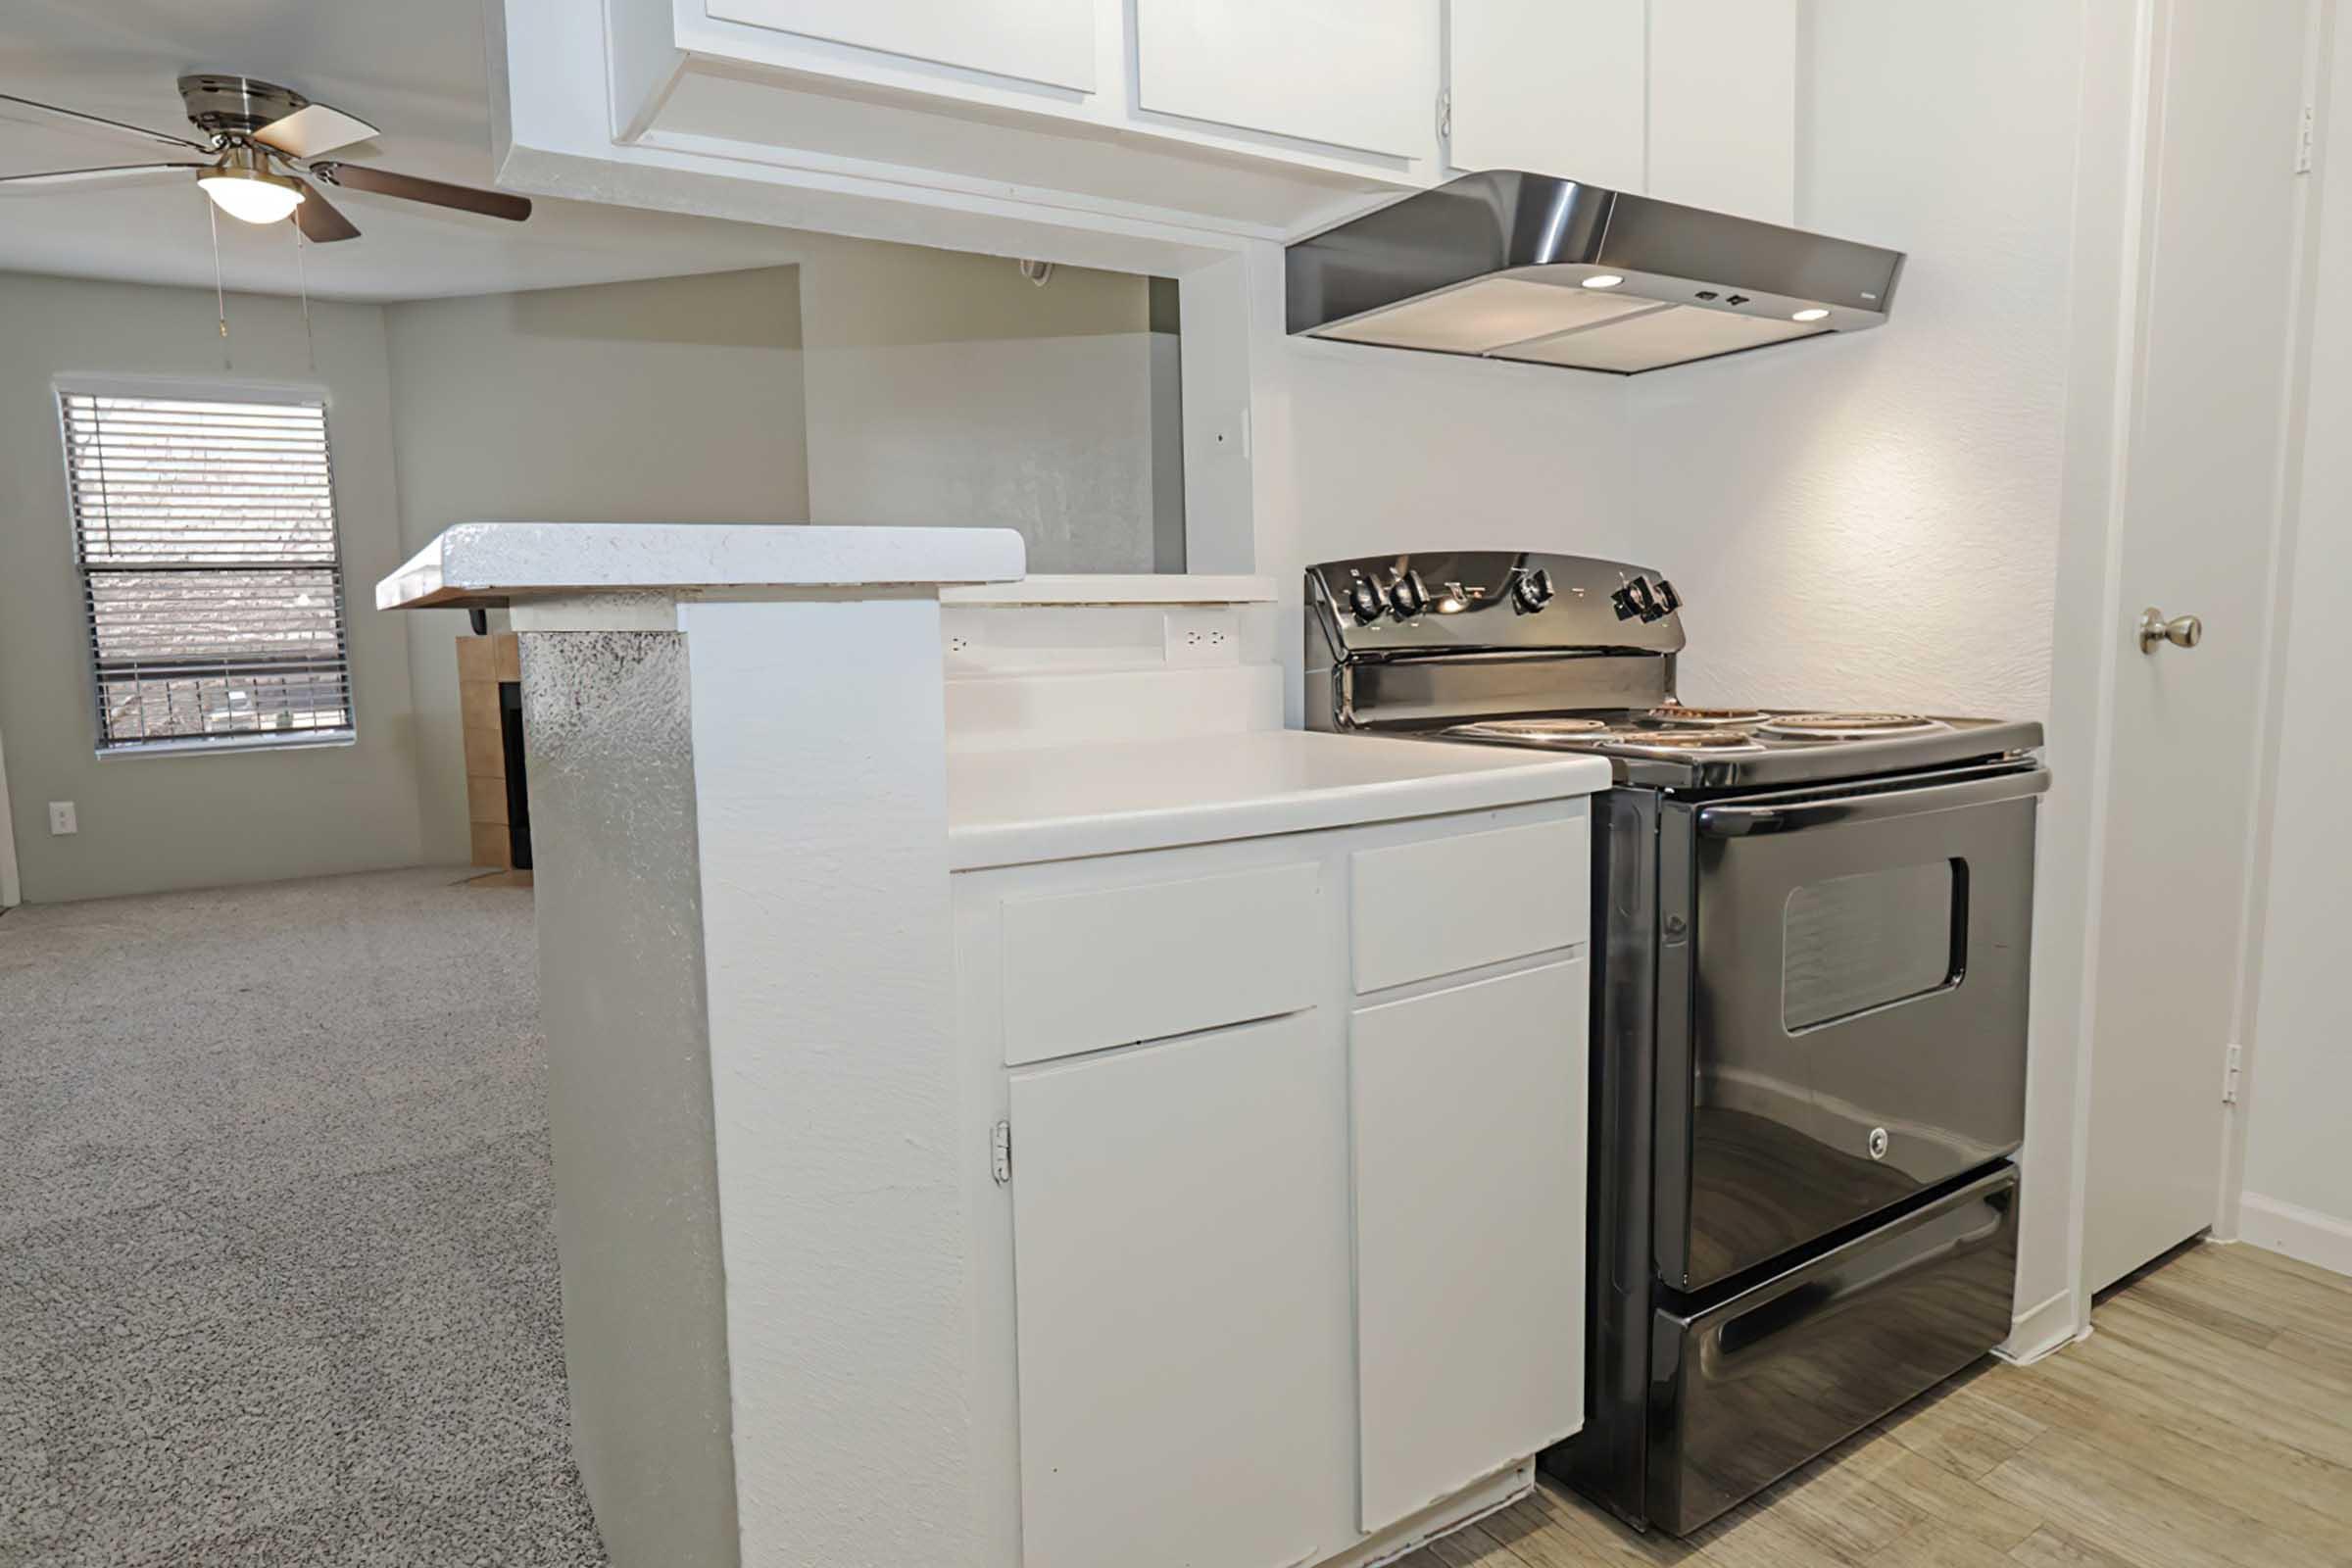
2206,1421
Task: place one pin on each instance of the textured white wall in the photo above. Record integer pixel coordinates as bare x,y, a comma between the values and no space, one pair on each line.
946,389
1876,521
1051,436
671,399
1873,520
2302,1071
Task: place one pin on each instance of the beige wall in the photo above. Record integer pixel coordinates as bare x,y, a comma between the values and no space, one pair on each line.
155,822
946,389
669,400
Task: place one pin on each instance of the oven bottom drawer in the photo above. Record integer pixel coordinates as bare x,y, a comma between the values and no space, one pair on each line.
1745,1391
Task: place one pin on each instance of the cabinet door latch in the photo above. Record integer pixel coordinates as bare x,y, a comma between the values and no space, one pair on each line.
999,1152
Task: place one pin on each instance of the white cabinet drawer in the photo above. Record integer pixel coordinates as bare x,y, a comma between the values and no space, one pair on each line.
1469,1150
1441,906
1107,966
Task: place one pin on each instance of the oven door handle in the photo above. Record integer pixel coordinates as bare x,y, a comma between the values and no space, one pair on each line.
1729,821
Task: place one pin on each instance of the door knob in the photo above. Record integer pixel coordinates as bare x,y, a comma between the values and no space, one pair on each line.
2181,631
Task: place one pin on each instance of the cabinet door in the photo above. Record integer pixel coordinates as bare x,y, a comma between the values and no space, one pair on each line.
1723,105
1180,1264
1469,1156
1356,73
1551,87
1049,41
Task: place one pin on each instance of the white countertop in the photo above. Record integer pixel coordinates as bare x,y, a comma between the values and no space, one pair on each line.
1010,807
488,565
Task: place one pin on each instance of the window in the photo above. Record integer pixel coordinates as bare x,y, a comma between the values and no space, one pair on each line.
205,530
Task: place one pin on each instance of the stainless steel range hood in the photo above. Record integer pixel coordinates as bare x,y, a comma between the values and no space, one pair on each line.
1513,266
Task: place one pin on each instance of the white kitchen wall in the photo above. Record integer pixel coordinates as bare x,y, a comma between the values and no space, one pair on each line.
666,400
1875,520
944,388
2298,1173
149,823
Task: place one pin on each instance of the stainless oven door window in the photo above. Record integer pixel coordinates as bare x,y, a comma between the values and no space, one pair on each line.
1849,944
1889,1071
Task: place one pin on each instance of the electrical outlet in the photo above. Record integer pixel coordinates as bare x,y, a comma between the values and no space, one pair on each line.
1202,636
60,818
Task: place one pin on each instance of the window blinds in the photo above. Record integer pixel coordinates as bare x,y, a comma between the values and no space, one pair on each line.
212,588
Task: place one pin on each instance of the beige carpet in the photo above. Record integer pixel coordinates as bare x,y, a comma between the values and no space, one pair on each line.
278,1266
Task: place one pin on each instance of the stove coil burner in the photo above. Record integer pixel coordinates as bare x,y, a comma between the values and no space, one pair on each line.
1849,727
1530,729
1712,741
1727,718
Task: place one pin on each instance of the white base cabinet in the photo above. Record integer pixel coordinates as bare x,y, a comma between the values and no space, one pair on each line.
1282,1288
1180,1298
1469,1307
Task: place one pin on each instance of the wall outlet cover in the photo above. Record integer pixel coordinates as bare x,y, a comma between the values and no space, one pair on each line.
1204,635
60,817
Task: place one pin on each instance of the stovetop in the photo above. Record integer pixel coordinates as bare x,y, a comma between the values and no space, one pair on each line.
1675,747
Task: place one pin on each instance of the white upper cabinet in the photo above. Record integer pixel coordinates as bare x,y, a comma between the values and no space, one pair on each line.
1551,87
1354,74
1723,105
1691,101
1049,41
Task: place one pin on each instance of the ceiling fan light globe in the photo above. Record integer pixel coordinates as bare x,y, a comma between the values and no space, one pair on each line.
251,196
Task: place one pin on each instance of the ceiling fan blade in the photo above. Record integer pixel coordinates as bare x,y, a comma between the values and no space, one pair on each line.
100,120
411,187
322,222
313,130
25,185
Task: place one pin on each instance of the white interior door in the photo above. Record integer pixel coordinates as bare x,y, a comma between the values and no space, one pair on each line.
2202,488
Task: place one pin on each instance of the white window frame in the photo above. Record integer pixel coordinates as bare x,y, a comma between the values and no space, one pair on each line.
208,389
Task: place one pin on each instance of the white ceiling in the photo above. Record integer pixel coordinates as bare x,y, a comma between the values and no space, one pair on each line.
415,68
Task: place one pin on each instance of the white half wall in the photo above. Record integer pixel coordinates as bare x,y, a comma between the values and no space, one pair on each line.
671,398
2299,1171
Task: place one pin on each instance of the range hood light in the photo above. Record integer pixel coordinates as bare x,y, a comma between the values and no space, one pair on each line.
1539,271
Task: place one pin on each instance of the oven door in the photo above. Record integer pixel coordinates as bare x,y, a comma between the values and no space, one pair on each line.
1852,976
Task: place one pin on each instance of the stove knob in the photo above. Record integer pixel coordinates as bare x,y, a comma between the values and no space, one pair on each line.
1668,600
1533,591
1366,601
1408,596
1636,599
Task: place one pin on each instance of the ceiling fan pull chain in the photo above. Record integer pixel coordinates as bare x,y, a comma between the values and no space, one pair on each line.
302,280
220,294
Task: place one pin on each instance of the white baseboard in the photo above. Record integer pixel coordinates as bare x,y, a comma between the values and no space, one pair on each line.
2038,1330
2303,1234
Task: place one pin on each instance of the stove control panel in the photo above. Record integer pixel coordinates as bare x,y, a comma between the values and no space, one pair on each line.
1375,606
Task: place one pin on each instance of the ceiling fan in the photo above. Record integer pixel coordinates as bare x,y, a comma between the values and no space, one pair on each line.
260,141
